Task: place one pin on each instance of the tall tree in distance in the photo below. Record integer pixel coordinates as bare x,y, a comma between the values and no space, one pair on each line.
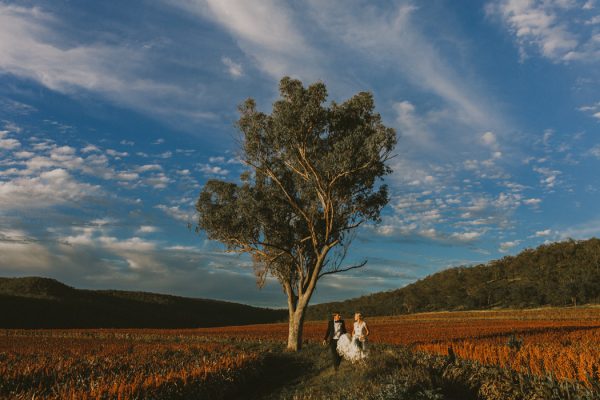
313,177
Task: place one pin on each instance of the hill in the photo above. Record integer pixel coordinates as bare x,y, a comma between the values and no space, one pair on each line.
35,302
557,274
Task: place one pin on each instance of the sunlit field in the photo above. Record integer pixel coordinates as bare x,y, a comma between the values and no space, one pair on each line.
559,343
119,365
525,352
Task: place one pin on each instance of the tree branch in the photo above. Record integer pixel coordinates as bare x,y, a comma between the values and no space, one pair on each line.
335,271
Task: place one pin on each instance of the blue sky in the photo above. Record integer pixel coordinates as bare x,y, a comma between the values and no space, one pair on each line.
113,115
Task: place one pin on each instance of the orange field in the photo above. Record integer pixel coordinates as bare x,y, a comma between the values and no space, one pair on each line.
83,365
563,343
149,363
566,355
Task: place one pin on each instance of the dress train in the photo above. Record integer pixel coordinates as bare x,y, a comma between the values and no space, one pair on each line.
349,350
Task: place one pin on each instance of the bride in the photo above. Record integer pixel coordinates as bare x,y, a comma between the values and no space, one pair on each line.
353,348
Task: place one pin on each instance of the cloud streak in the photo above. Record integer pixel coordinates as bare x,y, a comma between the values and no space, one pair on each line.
392,37
32,48
268,32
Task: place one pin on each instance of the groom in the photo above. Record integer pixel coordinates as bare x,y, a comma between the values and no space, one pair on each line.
335,329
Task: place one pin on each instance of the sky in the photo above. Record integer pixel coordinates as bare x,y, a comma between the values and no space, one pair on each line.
113,115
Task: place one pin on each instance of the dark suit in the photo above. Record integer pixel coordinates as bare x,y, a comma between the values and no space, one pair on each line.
329,337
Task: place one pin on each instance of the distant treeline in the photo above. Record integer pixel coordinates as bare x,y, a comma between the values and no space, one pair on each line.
34,302
557,274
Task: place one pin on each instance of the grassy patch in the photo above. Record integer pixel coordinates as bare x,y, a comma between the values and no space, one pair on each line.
397,372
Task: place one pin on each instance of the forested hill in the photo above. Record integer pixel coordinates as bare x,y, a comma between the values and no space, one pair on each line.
46,303
558,274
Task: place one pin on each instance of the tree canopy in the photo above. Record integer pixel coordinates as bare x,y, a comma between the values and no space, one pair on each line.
314,176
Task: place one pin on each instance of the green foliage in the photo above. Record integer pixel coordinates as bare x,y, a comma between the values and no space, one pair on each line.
557,274
313,172
313,177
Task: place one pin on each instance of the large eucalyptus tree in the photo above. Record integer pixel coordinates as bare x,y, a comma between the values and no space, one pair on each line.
313,177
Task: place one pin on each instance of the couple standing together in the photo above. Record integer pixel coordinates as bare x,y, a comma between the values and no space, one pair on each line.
341,344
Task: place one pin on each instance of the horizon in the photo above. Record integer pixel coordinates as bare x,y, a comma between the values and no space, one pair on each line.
112,118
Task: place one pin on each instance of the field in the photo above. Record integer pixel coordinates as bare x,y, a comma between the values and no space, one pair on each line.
548,353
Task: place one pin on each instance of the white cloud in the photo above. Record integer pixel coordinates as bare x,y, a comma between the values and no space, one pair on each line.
411,125
9,144
176,212
545,26
129,245
23,154
592,109
506,246
533,23
216,160
266,31
549,177
149,167
595,151
213,170
103,222
595,20
148,229
32,48
430,233
19,251
50,188
489,140
234,69
138,254
585,230
63,151
183,248
93,258
385,230
393,38
544,233
116,154
158,181
48,156
89,148
467,236
445,203
127,176
532,202
235,160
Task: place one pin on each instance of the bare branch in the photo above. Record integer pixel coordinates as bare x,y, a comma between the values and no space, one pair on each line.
335,271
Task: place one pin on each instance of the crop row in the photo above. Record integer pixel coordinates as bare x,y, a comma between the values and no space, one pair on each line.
561,355
84,368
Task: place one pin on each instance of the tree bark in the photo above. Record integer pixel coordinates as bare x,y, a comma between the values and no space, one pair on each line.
296,325
296,322
297,305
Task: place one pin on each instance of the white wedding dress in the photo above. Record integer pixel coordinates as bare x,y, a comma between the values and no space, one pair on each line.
348,349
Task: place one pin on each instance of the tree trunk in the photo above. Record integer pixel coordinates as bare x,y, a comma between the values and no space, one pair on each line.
296,324
297,305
